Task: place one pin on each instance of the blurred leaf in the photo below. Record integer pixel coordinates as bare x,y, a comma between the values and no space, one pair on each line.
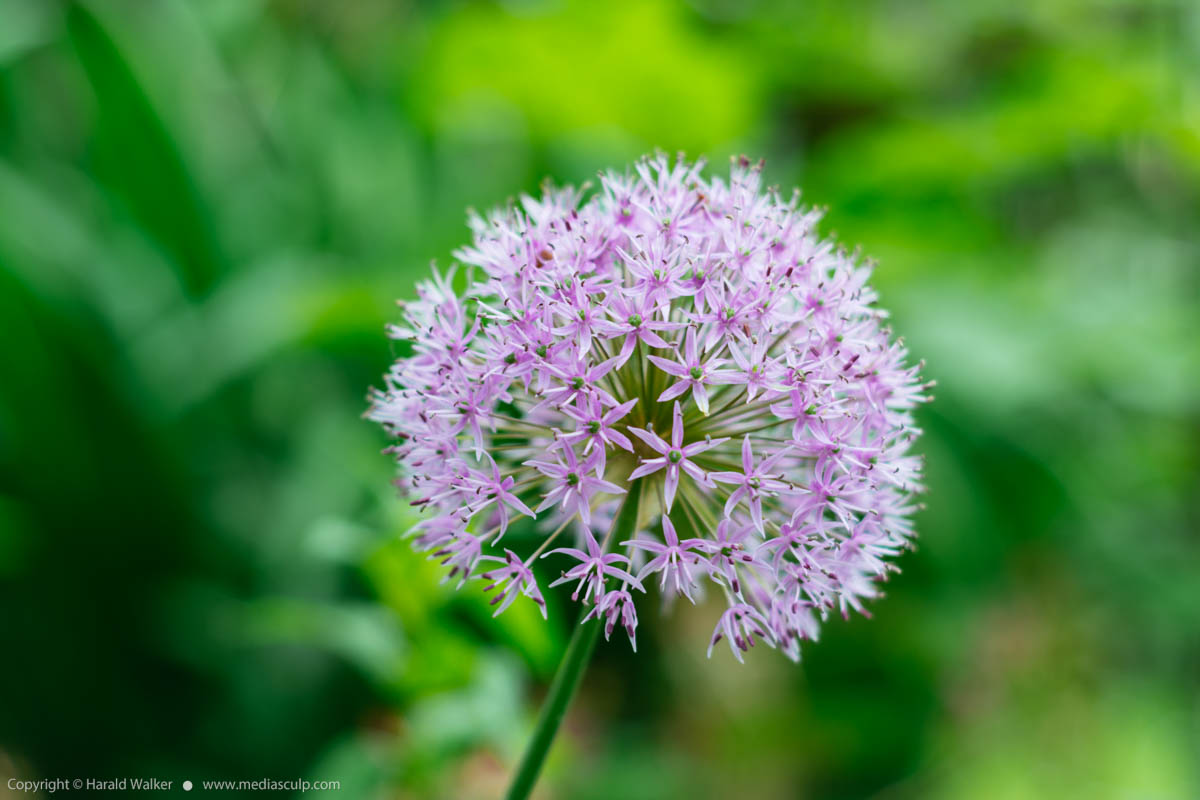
364,634
637,66
135,156
27,24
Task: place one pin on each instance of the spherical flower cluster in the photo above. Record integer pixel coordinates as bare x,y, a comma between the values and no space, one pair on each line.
681,343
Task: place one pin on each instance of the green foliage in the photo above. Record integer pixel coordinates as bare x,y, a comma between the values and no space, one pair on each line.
207,208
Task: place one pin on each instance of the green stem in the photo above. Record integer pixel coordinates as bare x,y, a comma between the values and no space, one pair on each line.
570,671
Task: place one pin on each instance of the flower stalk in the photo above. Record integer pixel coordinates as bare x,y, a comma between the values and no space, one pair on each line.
570,671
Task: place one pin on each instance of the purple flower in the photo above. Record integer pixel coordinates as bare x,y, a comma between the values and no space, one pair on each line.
581,318
727,553
674,457
692,372
756,371
571,483
596,427
519,579
636,322
498,490
753,482
730,311
739,625
672,560
672,300
592,568
460,552
616,606
580,380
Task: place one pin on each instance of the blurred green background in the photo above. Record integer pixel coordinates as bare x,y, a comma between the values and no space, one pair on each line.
207,209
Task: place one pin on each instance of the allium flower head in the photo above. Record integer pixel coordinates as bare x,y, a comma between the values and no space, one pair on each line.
680,342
